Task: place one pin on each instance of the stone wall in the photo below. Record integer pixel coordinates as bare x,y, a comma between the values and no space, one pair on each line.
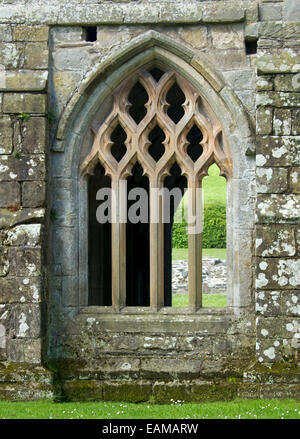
47,346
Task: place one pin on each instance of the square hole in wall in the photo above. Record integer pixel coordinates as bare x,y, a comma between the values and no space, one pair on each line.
251,47
90,33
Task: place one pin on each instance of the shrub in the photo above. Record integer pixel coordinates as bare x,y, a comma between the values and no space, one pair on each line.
214,230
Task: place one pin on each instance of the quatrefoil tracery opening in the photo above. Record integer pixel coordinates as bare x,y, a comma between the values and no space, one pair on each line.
161,117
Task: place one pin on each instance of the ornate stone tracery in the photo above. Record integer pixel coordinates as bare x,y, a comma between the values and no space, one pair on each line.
176,128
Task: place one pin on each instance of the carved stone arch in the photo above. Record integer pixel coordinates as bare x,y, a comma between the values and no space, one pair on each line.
94,97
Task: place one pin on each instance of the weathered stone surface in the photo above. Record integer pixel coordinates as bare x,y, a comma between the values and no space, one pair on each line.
36,56
286,83
275,241
227,37
264,120
271,180
30,33
129,392
33,194
10,55
278,208
25,167
282,122
195,36
278,151
25,80
278,99
20,290
5,33
85,390
24,103
34,136
291,11
295,180
270,12
10,218
264,83
4,262
268,303
269,351
24,235
274,274
284,61
9,193
6,133
25,262
290,304
296,122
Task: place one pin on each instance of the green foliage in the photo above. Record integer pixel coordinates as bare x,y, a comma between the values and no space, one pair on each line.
214,229
23,116
209,300
16,154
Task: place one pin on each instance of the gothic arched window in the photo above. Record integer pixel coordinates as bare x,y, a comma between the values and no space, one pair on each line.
160,134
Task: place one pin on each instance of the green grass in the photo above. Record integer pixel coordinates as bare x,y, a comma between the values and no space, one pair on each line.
237,409
182,253
208,300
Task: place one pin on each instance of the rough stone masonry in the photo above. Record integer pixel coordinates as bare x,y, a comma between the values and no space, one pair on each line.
55,84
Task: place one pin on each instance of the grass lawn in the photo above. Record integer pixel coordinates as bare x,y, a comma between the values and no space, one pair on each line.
182,253
208,300
237,409
214,187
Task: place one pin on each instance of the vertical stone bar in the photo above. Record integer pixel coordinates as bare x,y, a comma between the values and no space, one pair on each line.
118,242
156,247
194,244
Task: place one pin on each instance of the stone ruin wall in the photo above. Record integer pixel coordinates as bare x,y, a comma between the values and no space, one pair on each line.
46,347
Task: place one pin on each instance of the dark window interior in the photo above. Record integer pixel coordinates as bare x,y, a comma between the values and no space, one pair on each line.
99,236
251,47
90,33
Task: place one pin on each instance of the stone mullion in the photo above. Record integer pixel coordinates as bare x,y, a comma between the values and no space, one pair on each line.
156,246
118,243
194,247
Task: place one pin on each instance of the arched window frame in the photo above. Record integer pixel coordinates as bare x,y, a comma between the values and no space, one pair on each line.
215,150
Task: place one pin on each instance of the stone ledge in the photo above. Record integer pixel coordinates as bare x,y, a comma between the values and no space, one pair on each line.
57,13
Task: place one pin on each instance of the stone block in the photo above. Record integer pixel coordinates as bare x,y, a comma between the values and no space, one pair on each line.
195,36
270,12
169,368
295,180
278,151
268,303
67,34
227,37
274,274
264,120
10,55
36,56
9,193
5,33
278,99
15,350
10,218
290,303
284,61
296,122
286,83
290,326
264,83
241,79
24,168
27,321
25,80
33,194
4,262
25,262
25,235
6,133
291,11
84,390
269,351
128,392
222,12
74,59
271,180
30,33
282,122
268,327
33,351
275,241
34,136
20,290
24,103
